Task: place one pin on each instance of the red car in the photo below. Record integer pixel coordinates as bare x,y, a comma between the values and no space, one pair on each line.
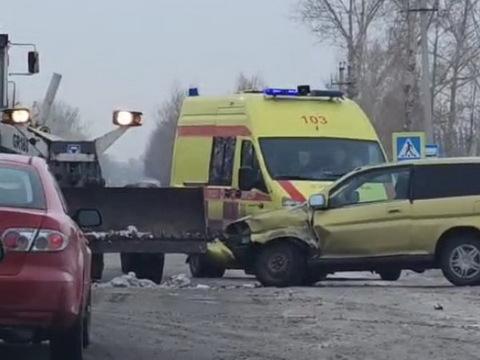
44,262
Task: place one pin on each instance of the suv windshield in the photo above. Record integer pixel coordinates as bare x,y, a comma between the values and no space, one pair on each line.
20,188
320,159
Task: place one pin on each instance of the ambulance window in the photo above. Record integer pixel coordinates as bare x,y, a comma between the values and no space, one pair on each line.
249,157
221,163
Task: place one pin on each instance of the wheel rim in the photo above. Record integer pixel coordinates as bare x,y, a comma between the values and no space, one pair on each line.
278,263
465,261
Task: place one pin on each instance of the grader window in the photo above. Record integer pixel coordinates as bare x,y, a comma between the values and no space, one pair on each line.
221,162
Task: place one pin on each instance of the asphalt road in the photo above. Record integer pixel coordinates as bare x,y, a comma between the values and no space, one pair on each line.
354,316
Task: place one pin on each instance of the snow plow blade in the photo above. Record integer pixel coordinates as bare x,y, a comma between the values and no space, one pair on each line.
166,220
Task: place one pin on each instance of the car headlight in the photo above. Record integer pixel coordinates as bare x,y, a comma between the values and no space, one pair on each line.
127,118
16,116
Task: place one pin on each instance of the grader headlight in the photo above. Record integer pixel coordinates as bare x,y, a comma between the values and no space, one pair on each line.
127,118
16,116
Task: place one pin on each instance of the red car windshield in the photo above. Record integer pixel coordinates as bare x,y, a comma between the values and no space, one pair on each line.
20,188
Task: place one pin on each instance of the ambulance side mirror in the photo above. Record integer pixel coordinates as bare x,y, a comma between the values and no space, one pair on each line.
247,178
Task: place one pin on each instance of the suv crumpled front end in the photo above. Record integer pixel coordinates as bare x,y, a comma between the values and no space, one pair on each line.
244,235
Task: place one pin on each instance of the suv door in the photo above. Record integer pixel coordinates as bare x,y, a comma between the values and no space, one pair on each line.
368,215
444,196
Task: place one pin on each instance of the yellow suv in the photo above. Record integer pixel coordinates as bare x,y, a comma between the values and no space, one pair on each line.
411,215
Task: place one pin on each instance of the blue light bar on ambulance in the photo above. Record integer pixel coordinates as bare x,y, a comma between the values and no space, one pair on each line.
280,92
193,92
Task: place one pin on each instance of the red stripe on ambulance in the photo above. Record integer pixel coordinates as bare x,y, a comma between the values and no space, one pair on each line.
213,130
292,191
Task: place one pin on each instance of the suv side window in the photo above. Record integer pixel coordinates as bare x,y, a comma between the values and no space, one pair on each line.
249,159
446,180
372,187
221,161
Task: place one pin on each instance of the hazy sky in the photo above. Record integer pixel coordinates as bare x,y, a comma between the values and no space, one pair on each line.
129,54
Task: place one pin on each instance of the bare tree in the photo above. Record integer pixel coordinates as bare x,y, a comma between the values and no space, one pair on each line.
158,156
121,173
245,83
345,23
65,121
456,75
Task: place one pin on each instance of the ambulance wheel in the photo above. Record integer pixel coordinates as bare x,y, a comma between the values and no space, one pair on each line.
148,266
202,267
97,267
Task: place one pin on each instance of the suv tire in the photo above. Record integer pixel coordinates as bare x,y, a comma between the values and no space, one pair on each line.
281,264
460,260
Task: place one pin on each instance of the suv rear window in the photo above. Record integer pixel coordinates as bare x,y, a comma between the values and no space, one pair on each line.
446,180
20,188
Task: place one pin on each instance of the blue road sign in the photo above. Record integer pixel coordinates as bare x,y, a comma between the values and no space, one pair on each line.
432,150
409,146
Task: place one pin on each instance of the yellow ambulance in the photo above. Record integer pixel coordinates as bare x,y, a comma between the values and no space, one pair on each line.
258,151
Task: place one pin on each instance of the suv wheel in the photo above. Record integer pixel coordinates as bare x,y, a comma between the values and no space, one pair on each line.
390,274
281,264
460,260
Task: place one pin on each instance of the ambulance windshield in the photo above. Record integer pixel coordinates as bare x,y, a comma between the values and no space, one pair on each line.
318,159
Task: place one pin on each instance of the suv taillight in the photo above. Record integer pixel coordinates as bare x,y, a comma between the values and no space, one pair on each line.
25,240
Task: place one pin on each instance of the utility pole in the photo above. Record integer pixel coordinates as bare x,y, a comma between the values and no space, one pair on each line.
3,71
426,80
342,83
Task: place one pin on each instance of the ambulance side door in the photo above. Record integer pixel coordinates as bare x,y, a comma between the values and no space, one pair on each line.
256,197
222,205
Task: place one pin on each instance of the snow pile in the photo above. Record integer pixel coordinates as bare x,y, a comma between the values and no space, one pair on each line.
179,281
128,281
130,232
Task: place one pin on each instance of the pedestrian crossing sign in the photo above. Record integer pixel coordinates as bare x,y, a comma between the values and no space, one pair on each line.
408,145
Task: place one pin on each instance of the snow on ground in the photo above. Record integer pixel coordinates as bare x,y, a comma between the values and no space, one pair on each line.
178,281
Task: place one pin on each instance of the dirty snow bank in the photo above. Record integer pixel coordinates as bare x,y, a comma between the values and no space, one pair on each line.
179,281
